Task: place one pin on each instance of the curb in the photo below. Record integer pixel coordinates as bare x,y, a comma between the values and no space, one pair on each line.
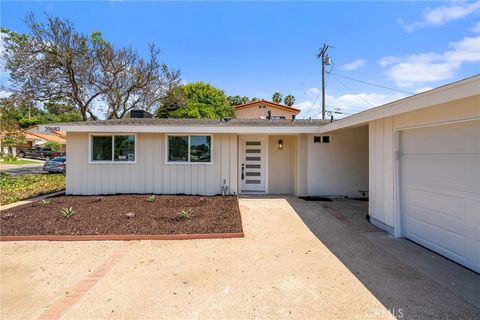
127,237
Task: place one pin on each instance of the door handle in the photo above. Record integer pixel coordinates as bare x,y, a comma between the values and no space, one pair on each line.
243,169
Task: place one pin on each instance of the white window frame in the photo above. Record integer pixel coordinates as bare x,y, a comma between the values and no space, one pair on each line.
188,135
102,134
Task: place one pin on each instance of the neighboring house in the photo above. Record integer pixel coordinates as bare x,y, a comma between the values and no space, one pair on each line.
36,138
418,157
260,110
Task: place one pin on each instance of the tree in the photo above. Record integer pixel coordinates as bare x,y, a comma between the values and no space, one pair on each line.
289,100
52,62
237,100
195,100
11,132
55,62
129,81
174,99
277,97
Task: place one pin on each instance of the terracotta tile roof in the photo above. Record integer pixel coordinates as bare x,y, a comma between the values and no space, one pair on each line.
270,103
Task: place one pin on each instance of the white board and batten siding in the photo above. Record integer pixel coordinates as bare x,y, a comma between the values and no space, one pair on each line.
425,178
151,173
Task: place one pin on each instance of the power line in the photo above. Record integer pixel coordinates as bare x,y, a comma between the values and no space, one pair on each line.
343,84
369,83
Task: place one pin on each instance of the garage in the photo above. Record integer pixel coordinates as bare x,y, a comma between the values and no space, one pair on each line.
439,178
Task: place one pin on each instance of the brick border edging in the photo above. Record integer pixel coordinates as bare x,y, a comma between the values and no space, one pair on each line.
126,237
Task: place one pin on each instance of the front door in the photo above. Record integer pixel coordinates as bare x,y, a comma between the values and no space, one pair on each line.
252,164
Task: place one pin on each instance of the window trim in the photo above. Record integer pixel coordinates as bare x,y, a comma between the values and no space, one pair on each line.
188,135
106,134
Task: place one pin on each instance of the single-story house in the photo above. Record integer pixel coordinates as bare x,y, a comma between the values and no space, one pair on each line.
263,109
418,158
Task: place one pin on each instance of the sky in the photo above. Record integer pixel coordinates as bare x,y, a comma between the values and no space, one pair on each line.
257,48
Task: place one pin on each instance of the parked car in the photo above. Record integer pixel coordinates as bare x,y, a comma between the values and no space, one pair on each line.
39,152
55,165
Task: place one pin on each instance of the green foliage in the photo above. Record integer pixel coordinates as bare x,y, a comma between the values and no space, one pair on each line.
16,188
68,212
17,161
185,214
195,100
7,158
238,100
55,146
277,97
152,198
289,100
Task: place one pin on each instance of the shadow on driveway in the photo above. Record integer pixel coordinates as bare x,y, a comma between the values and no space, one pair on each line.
392,269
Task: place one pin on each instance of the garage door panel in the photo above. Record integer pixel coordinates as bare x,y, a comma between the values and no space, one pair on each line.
446,171
447,243
443,139
437,205
440,189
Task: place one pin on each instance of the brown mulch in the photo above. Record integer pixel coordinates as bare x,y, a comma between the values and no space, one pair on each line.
108,215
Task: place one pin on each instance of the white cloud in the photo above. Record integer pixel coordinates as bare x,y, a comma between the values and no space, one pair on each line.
346,104
423,89
357,64
431,66
440,15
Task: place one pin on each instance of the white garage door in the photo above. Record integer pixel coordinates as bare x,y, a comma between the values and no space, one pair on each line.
440,190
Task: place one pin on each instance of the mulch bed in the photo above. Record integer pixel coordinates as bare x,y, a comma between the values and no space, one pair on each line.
108,216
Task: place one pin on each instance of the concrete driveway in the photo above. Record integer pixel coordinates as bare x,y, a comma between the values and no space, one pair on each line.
279,270
21,169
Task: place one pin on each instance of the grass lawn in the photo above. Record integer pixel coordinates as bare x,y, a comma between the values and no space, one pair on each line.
18,162
16,188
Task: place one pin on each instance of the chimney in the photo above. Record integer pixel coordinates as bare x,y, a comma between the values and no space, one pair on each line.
140,114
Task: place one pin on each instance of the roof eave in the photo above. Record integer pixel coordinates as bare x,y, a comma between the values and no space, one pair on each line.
185,129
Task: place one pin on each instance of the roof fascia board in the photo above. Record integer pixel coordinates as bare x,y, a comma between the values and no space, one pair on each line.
183,129
455,91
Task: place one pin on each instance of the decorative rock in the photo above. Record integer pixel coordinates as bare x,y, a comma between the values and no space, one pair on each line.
130,215
8,215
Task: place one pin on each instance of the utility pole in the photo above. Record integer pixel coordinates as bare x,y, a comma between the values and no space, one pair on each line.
325,61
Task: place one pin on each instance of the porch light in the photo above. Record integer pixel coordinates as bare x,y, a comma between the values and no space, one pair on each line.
280,144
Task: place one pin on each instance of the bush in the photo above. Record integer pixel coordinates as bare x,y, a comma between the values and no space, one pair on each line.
16,188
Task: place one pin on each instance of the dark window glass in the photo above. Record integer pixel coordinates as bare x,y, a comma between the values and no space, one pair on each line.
326,139
102,148
124,148
200,149
317,140
178,148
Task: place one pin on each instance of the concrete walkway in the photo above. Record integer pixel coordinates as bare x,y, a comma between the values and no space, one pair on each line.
400,273
279,270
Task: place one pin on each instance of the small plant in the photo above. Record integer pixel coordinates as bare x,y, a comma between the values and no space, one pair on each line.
152,198
185,214
100,199
46,202
68,212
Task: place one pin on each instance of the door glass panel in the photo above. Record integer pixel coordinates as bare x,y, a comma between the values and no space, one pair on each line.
252,166
252,158
253,150
252,143
252,181
253,174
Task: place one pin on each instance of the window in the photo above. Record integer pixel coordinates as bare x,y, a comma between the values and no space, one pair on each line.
113,148
193,149
321,139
